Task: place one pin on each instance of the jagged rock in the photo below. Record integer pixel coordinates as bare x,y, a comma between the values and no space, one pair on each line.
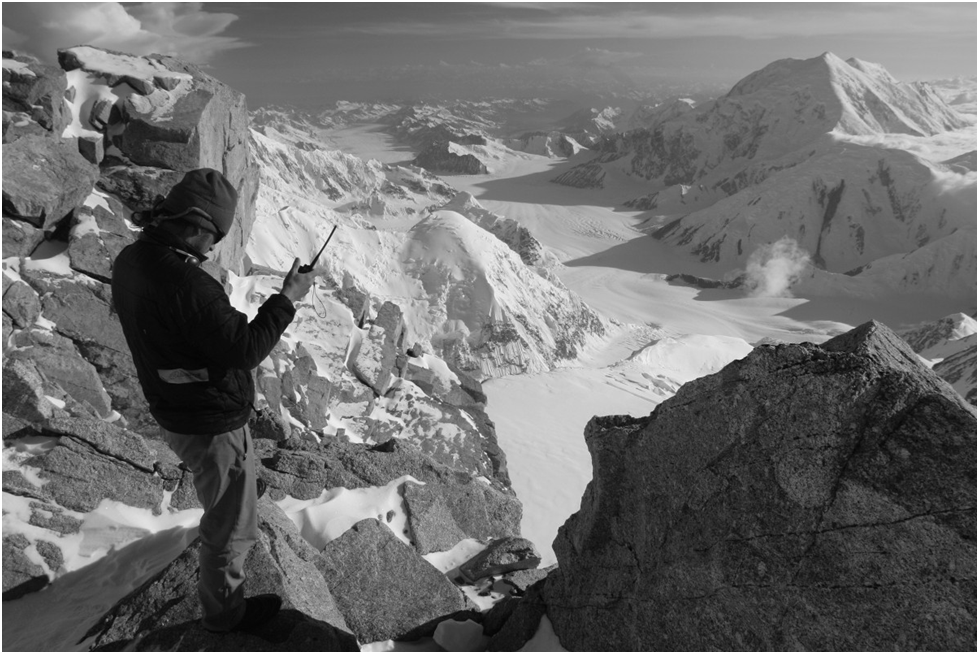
14,427
430,521
440,158
106,439
8,330
960,369
44,179
289,631
382,586
281,562
521,580
138,186
53,518
20,574
805,497
93,460
37,90
354,299
56,358
19,238
199,122
501,556
520,620
92,148
97,237
25,392
21,303
102,113
450,506
375,361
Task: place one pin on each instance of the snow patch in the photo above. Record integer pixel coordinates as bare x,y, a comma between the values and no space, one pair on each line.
329,516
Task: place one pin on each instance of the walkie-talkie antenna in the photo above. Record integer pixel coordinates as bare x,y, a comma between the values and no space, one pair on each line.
309,267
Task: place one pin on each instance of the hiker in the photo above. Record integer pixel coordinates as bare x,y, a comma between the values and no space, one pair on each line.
194,355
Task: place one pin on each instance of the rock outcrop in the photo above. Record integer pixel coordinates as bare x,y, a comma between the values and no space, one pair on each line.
164,612
805,497
443,158
157,118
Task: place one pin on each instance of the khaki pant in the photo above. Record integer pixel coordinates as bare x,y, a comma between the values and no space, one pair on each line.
224,476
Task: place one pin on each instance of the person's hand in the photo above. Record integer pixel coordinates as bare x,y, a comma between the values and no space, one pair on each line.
297,284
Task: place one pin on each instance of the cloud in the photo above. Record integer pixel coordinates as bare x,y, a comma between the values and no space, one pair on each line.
180,29
684,20
774,268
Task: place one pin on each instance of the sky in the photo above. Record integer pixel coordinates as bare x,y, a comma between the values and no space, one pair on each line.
313,54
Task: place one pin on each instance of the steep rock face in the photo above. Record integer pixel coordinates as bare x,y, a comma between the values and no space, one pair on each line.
33,98
846,205
159,114
44,179
439,157
805,497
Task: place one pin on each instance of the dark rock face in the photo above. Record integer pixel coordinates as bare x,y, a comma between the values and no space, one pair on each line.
502,556
178,119
19,238
450,506
165,610
384,589
438,158
34,92
44,179
804,497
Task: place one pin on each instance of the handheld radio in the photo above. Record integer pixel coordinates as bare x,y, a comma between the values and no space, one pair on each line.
305,268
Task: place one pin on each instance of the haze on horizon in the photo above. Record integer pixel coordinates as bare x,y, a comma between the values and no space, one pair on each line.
313,54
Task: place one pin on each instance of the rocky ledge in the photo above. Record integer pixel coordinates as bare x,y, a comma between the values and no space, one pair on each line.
806,497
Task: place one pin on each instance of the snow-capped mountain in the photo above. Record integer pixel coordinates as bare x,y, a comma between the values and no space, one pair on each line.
949,347
474,286
790,152
774,112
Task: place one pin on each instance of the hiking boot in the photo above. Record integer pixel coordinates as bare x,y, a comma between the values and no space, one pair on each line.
258,611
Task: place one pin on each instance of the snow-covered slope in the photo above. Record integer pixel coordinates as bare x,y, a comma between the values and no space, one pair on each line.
949,347
805,150
465,291
847,205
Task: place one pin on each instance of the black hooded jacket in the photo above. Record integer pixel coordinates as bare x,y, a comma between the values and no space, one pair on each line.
193,351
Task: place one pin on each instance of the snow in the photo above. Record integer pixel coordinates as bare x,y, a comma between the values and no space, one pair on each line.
123,64
52,257
336,510
18,67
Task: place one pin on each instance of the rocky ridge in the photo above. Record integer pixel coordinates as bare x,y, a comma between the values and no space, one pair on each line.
805,497
76,427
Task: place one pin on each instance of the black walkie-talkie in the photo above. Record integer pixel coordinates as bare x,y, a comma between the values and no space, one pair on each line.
305,268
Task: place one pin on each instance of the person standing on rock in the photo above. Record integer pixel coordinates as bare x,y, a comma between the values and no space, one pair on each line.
194,355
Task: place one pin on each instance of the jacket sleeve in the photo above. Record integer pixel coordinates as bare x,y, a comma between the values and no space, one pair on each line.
226,338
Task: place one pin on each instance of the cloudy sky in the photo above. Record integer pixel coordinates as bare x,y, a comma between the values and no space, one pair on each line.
309,54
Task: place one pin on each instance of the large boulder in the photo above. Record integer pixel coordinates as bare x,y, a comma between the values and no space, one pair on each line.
44,179
98,234
383,587
33,97
374,364
806,497
172,117
19,238
164,612
448,506
57,359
